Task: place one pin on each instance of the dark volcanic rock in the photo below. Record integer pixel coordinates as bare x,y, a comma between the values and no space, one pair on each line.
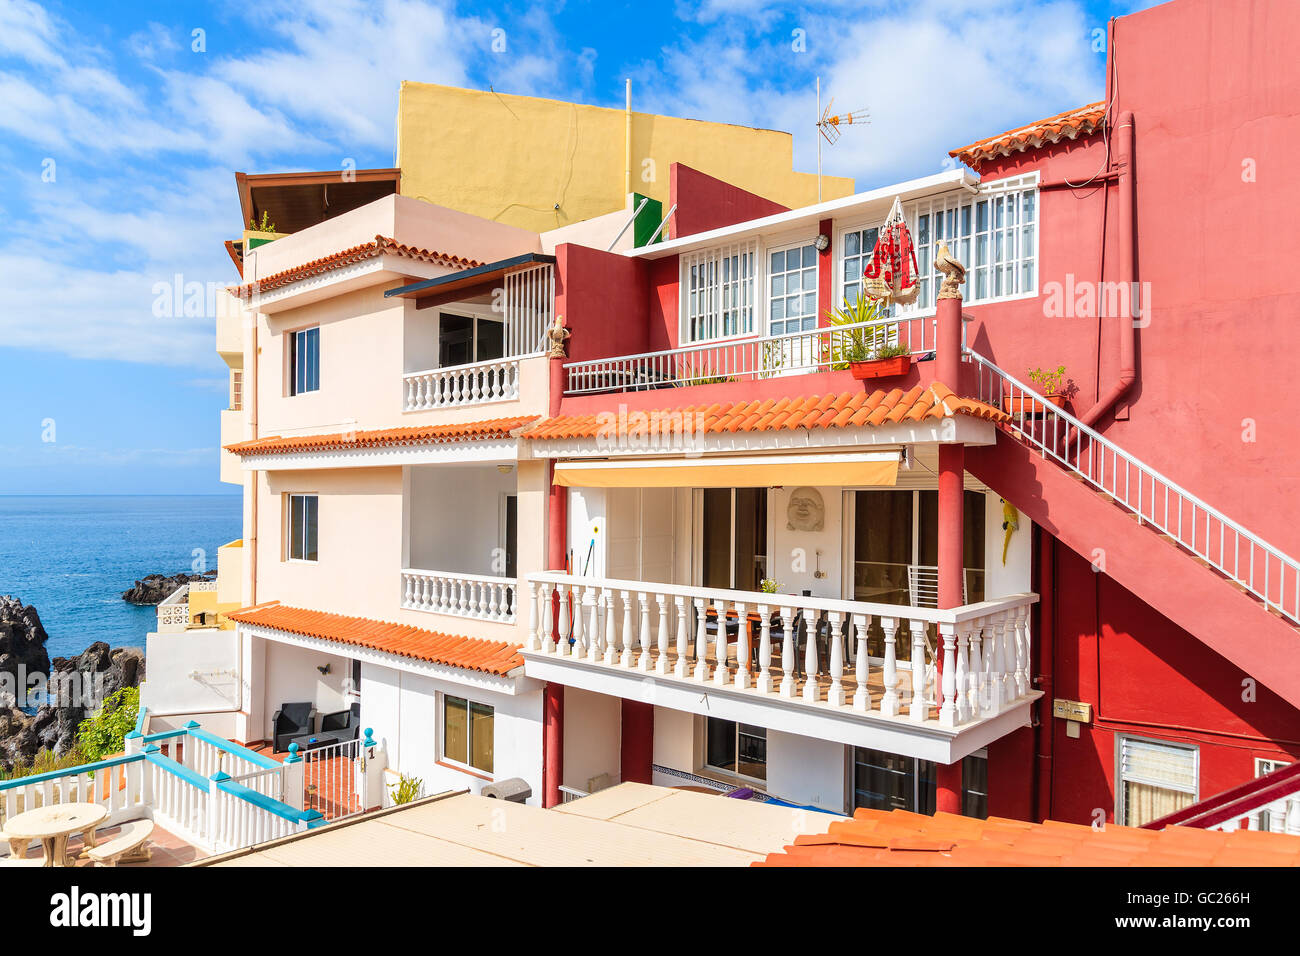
155,588
77,685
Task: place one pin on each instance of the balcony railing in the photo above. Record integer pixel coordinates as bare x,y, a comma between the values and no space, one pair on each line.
479,596
747,359
760,643
496,380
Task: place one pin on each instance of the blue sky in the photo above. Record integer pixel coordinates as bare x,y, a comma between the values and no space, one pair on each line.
121,125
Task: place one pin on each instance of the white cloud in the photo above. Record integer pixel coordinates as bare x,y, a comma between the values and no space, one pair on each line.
151,42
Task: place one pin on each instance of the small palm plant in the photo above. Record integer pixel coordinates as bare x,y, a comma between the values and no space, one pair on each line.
879,341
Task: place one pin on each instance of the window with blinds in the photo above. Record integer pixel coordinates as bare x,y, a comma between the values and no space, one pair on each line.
1156,778
718,292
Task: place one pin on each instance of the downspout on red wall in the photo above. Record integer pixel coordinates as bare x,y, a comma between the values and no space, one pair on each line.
1043,728
1127,324
557,523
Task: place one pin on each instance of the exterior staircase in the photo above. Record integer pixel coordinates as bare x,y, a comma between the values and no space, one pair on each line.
1232,590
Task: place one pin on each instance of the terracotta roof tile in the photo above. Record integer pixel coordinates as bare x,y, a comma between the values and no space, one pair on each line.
451,650
381,245
847,409
1071,124
898,838
495,428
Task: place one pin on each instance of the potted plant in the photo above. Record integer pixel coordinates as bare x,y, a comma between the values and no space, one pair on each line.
867,352
1053,386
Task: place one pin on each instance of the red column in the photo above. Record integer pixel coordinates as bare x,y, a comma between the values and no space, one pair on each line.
826,274
952,459
636,750
552,743
557,542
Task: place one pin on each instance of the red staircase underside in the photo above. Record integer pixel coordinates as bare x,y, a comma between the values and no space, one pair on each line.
1196,598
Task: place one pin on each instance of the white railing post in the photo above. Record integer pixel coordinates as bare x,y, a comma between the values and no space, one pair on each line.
835,695
661,666
890,705
764,681
683,638
974,669
1023,658
861,664
720,644
294,779
787,652
629,636
701,641
742,645
948,684
917,707
812,692
565,619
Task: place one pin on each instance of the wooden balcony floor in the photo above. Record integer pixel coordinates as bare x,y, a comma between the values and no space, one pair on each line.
875,677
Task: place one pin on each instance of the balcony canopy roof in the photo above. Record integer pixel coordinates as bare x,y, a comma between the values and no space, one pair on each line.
294,201
468,283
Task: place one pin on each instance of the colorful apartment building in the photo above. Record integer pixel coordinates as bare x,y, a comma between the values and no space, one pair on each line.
675,538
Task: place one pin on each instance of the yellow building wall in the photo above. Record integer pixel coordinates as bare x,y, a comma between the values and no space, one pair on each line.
514,158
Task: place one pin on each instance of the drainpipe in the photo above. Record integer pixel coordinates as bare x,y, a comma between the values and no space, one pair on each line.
1127,324
627,141
1043,727
952,466
252,393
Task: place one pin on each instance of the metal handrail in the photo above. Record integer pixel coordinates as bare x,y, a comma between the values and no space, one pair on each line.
1073,437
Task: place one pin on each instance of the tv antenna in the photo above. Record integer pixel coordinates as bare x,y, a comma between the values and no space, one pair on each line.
829,127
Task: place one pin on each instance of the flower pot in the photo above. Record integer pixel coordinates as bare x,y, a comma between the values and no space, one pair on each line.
1028,407
881,368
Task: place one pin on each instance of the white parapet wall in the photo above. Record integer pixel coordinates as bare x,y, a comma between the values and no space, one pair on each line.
192,672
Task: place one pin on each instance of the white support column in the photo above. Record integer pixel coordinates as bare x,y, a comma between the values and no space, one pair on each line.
889,703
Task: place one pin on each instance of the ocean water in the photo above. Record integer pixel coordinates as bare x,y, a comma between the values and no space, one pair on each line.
73,556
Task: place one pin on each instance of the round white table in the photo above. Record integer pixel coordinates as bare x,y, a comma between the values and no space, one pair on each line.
53,825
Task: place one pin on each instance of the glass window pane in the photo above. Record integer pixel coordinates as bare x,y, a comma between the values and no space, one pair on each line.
777,262
481,737
852,243
810,257
455,729
295,526
751,751
721,744
310,504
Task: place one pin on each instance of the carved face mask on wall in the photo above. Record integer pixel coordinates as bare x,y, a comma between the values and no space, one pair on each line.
806,510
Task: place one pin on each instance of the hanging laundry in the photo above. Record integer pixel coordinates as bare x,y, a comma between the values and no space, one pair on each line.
892,273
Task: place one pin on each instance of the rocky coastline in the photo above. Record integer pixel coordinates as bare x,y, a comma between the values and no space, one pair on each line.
155,588
76,684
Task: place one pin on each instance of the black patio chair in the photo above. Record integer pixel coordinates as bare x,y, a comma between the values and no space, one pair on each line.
290,721
342,724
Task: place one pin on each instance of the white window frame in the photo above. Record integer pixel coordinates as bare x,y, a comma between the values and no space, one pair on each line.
469,734
707,768
955,198
766,296
1120,809
292,361
288,528
714,314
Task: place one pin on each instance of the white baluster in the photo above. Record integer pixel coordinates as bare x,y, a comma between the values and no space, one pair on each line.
917,709
720,645
629,636
661,665
835,640
701,641
593,631
564,593
948,685
742,645
787,652
993,701
811,689
975,676
1023,683
683,637
611,630
889,703
764,681
535,639
861,665
647,638
961,683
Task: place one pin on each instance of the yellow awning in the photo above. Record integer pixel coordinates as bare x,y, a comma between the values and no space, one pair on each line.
858,468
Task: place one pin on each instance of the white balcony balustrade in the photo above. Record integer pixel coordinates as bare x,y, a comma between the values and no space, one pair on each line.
783,646
748,358
479,596
492,381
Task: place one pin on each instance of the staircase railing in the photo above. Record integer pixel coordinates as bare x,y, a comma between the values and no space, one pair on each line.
1257,566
